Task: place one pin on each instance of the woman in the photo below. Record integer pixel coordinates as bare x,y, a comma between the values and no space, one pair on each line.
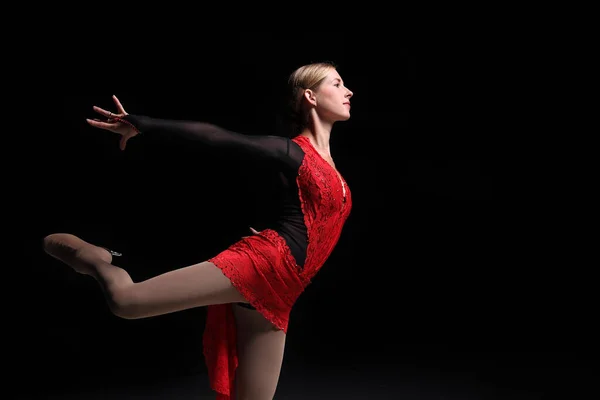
250,287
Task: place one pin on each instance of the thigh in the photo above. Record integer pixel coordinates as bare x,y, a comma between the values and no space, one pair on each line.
260,352
197,285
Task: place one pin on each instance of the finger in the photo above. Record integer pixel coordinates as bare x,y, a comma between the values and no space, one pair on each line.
102,125
253,230
118,104
102,111
123,143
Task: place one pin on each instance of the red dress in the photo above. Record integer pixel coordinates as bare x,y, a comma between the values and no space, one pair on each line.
270,269
262,268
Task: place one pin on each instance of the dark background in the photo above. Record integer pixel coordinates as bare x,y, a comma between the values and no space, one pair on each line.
448,279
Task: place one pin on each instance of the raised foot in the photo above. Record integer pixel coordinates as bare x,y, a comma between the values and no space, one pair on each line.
76,252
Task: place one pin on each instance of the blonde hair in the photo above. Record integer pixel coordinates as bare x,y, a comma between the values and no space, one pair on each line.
305,77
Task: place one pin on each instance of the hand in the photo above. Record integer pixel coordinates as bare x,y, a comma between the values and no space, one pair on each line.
254,231
114,125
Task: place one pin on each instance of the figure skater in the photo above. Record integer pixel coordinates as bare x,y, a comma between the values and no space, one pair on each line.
250,287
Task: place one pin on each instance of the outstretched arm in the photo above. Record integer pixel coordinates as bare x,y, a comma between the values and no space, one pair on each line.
259,146
265,147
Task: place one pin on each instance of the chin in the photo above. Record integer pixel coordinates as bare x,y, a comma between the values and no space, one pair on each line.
344,117
341,117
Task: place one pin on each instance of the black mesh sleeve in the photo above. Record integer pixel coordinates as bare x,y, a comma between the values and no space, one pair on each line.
264,147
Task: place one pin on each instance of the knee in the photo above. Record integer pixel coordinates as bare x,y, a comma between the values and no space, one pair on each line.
121,304
256,388
255,396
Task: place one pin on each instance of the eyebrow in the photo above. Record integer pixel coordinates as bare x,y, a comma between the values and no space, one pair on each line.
337,79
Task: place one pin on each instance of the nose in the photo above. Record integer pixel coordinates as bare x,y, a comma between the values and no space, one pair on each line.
349,94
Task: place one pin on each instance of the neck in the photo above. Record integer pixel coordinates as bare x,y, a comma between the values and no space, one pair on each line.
319,134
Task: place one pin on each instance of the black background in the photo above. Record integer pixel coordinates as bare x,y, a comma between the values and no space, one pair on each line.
448,278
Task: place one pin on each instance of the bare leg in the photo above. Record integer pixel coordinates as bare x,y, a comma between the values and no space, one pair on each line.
260,354
197,285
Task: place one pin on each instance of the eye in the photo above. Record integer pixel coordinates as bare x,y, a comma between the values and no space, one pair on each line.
337,85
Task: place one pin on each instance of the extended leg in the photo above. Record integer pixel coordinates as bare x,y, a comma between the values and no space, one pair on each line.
260,355
197,285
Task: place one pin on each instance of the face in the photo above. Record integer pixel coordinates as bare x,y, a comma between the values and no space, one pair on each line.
332,98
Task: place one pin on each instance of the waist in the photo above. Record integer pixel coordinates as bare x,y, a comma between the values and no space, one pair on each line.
295,238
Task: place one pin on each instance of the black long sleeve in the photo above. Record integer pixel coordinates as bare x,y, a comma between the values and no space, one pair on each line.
262,147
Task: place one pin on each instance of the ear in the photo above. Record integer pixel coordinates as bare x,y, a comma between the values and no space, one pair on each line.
311,97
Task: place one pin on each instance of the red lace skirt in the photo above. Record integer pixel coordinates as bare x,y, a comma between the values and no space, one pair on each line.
263,270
